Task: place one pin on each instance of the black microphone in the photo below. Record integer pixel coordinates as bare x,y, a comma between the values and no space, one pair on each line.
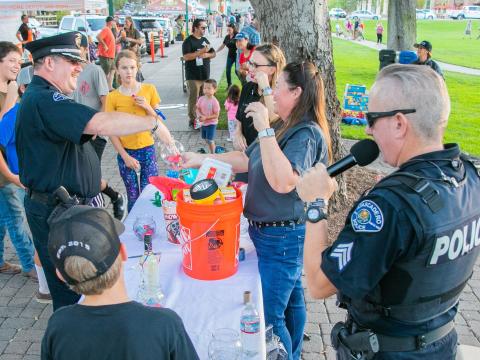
362,153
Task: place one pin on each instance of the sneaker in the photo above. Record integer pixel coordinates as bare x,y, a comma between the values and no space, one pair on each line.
201,151
43,298
10,269
32,274
119,207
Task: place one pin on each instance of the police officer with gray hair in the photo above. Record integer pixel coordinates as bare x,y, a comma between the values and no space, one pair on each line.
410,244
53,146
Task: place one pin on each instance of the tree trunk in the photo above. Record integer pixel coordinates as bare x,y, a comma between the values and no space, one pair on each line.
402,24
302,30
385,8
378,8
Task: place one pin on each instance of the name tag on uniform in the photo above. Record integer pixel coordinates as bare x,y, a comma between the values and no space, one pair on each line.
199,61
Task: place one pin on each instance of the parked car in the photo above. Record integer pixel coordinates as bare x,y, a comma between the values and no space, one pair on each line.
148,26
88,24
337,13
429,14
166,24
419,14
364,14
467,12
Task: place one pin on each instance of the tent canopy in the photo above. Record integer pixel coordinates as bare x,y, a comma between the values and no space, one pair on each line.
47,5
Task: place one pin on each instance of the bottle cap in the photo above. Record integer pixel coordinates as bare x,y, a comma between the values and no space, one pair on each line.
247,297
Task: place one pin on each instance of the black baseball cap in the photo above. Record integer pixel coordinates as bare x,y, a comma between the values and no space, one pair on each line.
67,45
424,44
88,232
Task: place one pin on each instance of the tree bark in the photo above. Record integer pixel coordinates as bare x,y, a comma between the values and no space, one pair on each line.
385,8
302,30
402,24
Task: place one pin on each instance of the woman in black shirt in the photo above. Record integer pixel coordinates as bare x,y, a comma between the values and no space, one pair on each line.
230,43
264,67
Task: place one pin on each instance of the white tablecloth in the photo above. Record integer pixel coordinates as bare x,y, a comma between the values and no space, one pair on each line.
203,305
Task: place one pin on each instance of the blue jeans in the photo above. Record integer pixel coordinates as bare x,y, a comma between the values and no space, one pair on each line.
13,218
280,263
230,63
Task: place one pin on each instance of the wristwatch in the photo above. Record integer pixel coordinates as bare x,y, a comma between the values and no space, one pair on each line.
267,91
317,210
269,132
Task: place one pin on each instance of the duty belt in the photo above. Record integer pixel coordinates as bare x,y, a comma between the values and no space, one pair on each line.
367,341
50,199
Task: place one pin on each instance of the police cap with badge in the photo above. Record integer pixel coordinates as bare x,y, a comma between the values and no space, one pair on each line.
66,45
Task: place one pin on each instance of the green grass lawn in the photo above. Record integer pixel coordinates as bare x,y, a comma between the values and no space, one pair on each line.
357,64
446,36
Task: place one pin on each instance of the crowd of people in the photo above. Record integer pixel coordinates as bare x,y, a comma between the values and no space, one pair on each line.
406,251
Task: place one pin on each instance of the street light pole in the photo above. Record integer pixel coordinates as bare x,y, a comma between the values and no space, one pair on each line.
186,15
209,9
110,7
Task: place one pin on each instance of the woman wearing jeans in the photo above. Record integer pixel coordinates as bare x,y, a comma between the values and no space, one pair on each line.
231,44
283,152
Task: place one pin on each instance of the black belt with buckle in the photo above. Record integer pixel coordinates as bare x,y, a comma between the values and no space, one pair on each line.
50,199
288,223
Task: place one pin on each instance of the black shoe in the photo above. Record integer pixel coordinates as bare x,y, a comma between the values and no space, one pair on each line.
201,151
120,207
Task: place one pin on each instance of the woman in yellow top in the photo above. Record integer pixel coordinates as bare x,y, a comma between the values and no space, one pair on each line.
136,153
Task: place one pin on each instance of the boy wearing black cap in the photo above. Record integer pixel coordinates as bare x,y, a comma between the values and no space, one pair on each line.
424,53
84,245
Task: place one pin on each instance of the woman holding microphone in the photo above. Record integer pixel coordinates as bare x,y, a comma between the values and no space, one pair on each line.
283,151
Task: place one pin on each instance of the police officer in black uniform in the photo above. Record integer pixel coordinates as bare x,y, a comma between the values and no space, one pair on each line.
409,245
52,137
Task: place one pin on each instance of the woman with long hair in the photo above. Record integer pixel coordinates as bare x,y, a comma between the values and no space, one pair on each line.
230,42
264,66
136,153
275,161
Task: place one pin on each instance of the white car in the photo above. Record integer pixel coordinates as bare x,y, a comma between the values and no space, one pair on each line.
429,14
88,24
166,24
467,12
364,14
337,13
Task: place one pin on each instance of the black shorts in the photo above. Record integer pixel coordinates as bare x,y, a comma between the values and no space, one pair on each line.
99,144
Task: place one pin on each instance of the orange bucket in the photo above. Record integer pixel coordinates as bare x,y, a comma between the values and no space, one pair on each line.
210,238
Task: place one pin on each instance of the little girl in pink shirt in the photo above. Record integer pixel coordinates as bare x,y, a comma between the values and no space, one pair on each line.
231,106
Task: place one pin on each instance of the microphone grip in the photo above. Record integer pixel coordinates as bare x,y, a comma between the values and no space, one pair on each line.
341,165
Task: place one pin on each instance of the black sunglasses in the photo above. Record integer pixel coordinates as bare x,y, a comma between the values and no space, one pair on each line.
255,65
374,116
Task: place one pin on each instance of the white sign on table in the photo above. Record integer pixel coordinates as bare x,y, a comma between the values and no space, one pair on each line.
204,306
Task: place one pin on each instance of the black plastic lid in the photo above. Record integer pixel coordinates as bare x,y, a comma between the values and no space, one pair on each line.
203,189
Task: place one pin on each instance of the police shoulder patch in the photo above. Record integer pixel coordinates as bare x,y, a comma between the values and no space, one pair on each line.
59,97
367,217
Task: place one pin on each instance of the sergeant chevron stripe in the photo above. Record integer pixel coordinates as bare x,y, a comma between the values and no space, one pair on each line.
343,253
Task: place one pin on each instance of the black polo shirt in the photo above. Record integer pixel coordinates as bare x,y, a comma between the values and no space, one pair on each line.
52,149
192,70
23,29
248,95
231,44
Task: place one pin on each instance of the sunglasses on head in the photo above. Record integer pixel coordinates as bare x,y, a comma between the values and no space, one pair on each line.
372,117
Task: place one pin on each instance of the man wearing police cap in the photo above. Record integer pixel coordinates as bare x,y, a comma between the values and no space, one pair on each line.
409,245
52,138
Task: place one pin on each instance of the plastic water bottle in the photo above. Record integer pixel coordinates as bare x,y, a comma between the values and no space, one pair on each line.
250,327
150,292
